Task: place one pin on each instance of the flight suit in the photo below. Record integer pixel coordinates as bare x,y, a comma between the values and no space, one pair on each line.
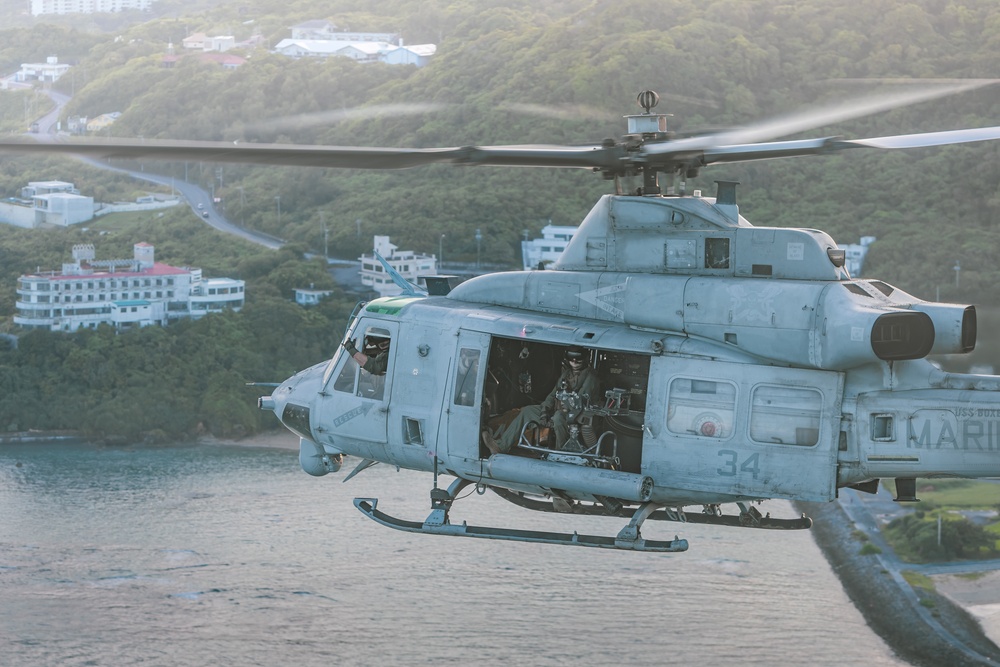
583,382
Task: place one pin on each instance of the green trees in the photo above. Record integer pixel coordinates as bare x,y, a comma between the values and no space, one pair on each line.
918,536
506,71
519,72
163,383
175,382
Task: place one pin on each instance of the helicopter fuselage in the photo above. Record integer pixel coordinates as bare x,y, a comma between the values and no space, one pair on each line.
714,388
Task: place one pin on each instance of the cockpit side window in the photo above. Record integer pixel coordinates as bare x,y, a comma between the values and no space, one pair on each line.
348,376
376,352
465,376
363,372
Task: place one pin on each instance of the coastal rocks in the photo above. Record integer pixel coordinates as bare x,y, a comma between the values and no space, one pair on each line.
958,641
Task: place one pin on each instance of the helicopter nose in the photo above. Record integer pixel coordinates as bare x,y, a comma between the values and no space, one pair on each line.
292,401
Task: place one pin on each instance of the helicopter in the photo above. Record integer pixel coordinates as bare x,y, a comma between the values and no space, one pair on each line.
727,363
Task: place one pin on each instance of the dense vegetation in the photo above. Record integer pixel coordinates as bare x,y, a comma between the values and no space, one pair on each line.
166,383
20,108
506,71
915,536
518,71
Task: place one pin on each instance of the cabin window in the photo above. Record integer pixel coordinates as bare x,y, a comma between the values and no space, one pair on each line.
465,376
703,408
413,432
785,415
882,428
717,253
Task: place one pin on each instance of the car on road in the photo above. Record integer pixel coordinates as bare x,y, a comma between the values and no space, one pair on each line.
204,214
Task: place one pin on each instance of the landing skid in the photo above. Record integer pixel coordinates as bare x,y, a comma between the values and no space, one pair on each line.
437,523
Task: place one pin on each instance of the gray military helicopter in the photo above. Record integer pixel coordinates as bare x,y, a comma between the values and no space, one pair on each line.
726,363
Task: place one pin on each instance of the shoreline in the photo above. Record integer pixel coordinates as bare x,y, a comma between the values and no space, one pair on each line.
282,439
927,628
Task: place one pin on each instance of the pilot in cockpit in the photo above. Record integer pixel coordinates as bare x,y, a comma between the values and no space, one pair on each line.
375,358
577,377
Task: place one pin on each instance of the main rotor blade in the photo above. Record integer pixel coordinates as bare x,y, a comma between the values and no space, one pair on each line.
323,118
930,138
818,117
248,153
347,157
765,151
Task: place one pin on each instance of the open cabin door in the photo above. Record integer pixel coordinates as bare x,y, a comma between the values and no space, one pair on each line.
355,401
745,430
464,405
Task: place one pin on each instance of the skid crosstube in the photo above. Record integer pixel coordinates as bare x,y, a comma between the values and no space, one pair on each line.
368,507
766,523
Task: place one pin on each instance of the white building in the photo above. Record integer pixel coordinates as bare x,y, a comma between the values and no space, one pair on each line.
410,265
39,7
548,248
311,296
46,72
46,188
121,292
320,29
318,39
62,209
199,41
855,255
418,54
47,202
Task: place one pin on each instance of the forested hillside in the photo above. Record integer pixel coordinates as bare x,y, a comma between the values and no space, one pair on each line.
518,71
165,383
506,71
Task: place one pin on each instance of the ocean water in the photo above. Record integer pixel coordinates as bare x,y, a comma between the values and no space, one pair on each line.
212,555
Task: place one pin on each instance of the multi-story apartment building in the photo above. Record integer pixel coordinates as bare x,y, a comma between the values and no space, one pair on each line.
547,249
410,265
120,292
39,7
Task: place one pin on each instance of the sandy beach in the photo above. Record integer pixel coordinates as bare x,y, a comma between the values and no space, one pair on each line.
978,594
274,439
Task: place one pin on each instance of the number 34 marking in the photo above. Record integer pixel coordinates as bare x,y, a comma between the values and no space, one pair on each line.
731,464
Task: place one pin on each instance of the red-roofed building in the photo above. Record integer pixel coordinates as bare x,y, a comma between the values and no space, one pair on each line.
120,292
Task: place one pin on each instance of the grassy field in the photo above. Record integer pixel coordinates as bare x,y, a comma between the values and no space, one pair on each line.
953,500
959,493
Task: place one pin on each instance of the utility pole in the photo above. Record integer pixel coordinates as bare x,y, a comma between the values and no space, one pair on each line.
278,199
326,252
479,240
441,253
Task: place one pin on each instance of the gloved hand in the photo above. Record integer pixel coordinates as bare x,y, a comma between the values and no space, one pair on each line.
350,346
